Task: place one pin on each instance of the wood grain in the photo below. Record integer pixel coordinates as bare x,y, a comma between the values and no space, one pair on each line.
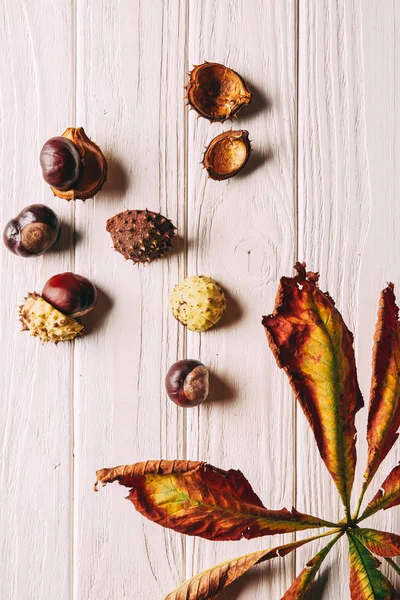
36,102
241,232
348,209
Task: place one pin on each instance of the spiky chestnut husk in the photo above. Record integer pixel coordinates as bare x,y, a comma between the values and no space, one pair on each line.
141,235
46,322
198,302
216,92
227,154
93,171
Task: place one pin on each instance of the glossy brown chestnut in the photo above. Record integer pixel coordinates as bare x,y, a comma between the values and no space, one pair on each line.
187,383
227,154
73,165
33,231
71,294
216,92
61,163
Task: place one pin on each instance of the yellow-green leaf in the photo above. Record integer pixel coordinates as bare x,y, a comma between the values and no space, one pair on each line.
212,581
304,580
387,496
312,344
366,581
198,499
380,543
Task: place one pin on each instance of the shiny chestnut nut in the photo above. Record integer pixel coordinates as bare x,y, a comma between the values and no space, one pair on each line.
73,165
187,383
33,231
61,163
71,294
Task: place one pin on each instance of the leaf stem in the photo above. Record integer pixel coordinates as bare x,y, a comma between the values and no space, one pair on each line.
393,565
363,490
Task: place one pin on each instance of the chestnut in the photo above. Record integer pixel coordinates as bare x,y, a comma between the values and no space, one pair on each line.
187,383
73,165
61,163
71,294
33,231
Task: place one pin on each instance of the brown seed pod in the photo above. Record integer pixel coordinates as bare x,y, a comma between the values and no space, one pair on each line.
227,154
75,169
141,235
216,92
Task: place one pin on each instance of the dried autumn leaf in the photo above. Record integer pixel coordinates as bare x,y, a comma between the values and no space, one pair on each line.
387,496
199,499
384,406
366,581
304,580
210,582
380,543
311,342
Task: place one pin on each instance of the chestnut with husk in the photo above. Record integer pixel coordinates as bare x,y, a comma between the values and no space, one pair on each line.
51,316
187,383
73,165
33,231
227,154
216,92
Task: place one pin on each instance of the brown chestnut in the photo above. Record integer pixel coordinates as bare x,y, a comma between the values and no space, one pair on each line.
73,165
187,383
227,154
71,294
61,163
33,231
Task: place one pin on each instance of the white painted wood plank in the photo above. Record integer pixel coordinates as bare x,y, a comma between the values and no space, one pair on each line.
36,102
242,233
348,210
131,75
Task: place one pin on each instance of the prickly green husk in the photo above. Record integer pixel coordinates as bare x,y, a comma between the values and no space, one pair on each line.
198,302
46,322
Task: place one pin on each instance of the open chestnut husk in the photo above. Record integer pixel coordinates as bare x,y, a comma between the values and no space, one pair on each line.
73,165
72,294
33,231
216,92
227,154
51,316
187,383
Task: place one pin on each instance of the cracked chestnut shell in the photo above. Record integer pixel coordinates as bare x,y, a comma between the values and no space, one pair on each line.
227,154
216,92
71,294
73,165
187,383
33,231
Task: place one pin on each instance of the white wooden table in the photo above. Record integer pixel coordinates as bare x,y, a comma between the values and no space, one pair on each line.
323,185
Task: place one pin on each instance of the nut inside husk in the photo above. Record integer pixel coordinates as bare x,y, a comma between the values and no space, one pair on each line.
198,302
46,322
227,154
94,170
216,92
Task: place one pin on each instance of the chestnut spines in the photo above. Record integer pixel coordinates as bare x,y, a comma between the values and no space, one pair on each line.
71,294
187,383
227,154
61,163
216,92
33,231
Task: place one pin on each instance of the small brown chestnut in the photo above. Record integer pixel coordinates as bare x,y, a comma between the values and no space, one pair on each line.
227,154
61,163
187,383
33,231
71,294
73,165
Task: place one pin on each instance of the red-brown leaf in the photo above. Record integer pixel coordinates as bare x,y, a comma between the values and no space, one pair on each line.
387,496
312,344
380,543
198,499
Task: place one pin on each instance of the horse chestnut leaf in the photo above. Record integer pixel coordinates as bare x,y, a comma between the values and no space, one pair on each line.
61,163
187,383
71,294
33,231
